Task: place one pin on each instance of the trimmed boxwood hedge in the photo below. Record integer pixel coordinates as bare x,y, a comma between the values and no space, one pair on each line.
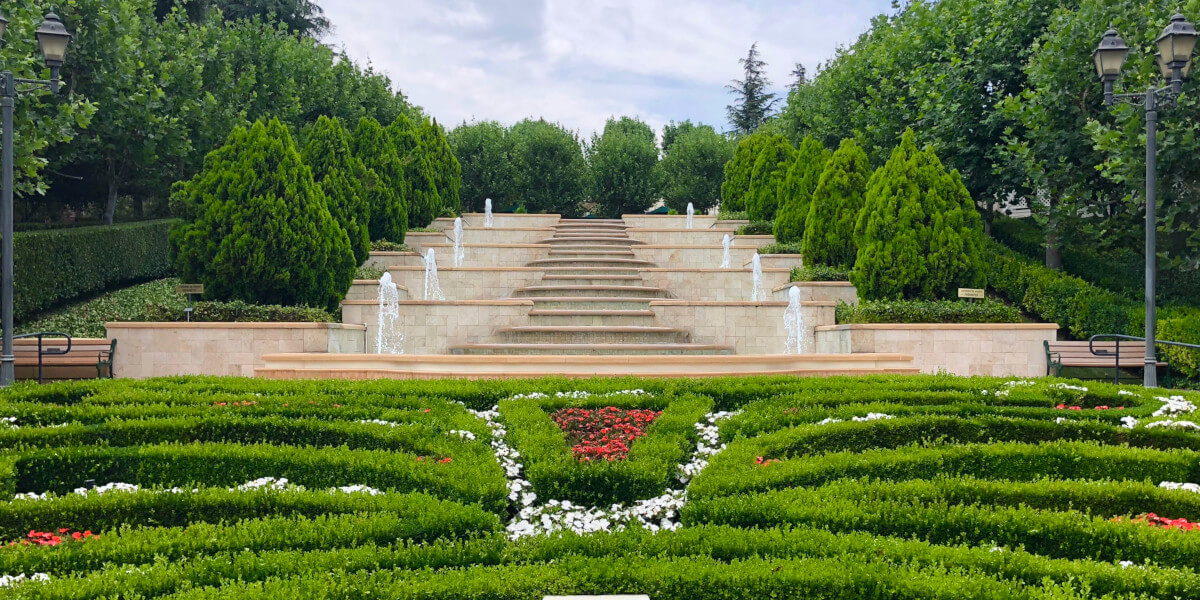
927,311
54,266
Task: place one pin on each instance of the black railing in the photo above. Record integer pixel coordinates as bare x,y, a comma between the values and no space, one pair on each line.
42,351
1116,353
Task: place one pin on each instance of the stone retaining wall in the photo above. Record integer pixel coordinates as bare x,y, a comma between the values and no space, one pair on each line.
669,221
835,291
498,220
997,349
434,327
725,285
161,349
693,256
750,327
507,235
777,261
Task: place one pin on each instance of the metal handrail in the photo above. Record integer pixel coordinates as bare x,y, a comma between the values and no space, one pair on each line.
1131,338
44,352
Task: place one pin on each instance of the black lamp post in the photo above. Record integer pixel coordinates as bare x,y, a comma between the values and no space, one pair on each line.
53,39
1174,56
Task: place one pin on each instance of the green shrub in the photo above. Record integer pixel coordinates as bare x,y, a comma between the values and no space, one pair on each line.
769,172
236,311
86,319
262,231
796,191
793,248
446,170
386,246
335,170
735,188
550,172
417,170
918,236
693,169
56,266
820,273
928,311
755,228
731,215
621,161
386,189
836,203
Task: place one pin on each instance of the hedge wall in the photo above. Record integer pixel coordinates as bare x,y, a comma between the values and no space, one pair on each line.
53,267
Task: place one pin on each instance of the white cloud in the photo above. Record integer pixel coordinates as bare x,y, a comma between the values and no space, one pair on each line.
579,62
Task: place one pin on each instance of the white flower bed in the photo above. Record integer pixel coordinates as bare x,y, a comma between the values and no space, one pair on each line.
358,489
1174,405
1173,424
466,435
12,580
1175,485
275,484
1129,422
9,422
869,417
579,395
1064,386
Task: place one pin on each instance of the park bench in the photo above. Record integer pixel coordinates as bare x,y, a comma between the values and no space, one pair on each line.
1098,355
55,356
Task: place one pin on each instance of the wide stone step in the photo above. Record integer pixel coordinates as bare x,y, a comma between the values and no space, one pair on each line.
589,303
591,291
586,271
592,334
630,263
589,239
591,252
577,318
592,279
591,349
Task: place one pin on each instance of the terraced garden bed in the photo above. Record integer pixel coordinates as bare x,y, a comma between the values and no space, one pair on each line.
872,487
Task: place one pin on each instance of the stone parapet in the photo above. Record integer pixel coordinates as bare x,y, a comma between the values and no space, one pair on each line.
833,291
750,327
433,327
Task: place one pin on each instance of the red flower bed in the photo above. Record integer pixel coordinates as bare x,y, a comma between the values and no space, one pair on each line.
604,433
1157,521
47,538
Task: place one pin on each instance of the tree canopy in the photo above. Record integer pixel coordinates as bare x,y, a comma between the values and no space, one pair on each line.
622,161
550,172
693,169
752,103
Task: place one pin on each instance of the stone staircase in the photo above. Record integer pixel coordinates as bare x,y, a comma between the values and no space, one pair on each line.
591,301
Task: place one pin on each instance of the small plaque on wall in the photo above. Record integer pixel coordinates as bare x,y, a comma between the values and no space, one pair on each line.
189,288
970,293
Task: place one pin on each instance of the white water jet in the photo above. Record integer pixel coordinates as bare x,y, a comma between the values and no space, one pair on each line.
433,290
758,294
725,258
691,215
793,324
488,221
389,339
459,253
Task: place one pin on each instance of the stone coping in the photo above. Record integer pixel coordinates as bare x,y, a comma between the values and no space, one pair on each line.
469,245
438,233
448,268
497,302
507,215
473,228
677,229
392,253
376,281
737,303
231,325
805,283
523,269
553,246
587,359
942,326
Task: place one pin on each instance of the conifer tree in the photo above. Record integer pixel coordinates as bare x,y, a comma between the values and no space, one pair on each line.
770,171
262,232
795,194
447,172
919,236
836,203
424,203
738,171
753,102
383,182
327,153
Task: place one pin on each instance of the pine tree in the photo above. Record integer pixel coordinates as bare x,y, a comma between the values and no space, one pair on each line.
795,194
447,172
753,103
424,203
738,171
770,170
836,204
919,235
327,153
383,183
263,233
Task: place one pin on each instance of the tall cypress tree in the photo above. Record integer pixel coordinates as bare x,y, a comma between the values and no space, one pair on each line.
424,203
919,236
327,153
836,203
447,172
753,103
770,170
262,232
383,184
795,194
738,171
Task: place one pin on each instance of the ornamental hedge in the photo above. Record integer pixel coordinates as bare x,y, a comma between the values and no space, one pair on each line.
56,266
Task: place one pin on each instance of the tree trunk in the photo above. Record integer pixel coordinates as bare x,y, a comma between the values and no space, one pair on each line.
110,208
1053,246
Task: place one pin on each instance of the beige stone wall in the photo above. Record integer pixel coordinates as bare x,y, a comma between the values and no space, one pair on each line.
506,235
777,261
434,327
724,285
368,289
489,255
468,283
418,240
498,220
693,257
750,327
828,291
669,221
386,260
681,237
1000,349
161,349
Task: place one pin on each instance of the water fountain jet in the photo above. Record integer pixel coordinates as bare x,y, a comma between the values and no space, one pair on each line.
793,324
725,258
433,290
758,294
459,253
691,213
390,338
488,221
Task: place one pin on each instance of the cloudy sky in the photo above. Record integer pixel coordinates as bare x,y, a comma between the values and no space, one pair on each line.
580,61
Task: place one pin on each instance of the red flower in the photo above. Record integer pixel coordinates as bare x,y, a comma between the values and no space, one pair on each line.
445,460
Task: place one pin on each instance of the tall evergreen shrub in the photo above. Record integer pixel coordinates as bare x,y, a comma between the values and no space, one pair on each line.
919,235
738,171
424,202
262,231
447,172
836,204
796,191
383,184
770,170
327,153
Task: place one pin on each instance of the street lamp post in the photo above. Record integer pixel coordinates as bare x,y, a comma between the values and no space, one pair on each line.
53,39
1174,61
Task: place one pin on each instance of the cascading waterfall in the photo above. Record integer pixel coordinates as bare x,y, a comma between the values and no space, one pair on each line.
390,338
793,324
433,290
758,294
725,258
488,221
691,215
459,253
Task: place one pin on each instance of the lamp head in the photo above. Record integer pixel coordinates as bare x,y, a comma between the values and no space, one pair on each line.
1175,47
1110,56
53,39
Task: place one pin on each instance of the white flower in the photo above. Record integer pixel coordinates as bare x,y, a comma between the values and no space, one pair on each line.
1063,386
1129,422
1173,424
1175,405
358,489
1175,485
9,422
270,483
1125,393
1125,564
466,435
108,487
12,580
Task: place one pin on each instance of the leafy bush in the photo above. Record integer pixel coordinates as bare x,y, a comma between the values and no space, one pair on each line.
446,170
928,311
386,189
735,188
731,215
86,319
796,191
693,169
237,311
769,172
261,230
416,169
621,161
918,236
793,248
386,246
829,228
550,173
484,155
820,273
60,265
337,172
755,228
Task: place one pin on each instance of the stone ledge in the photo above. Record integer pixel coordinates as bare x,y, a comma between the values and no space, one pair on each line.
737,303
448,268
376,281
809,283
498,302
586,359
943,326
231,325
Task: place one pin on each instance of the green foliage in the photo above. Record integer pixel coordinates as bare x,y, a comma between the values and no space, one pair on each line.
386,190
796,191
262,232
482,150
234,311
416,169
769,172
753,104
839,198
86,319
336,171
621,162
735,188
693,168
550,173
919,234
447,172
673,131
926,311
755,228
820,273
792,248
386,246
57,266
